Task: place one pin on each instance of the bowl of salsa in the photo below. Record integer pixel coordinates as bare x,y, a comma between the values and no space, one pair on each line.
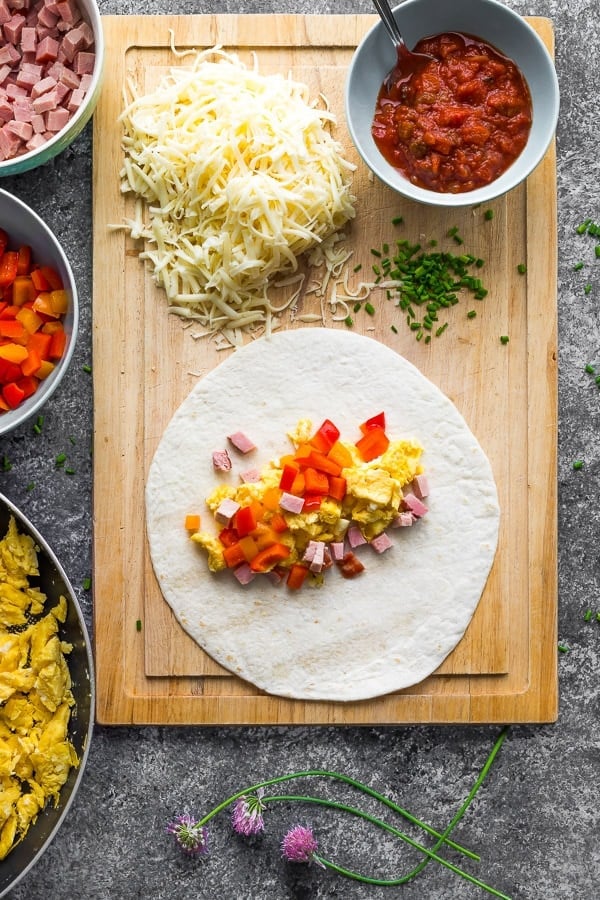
473,122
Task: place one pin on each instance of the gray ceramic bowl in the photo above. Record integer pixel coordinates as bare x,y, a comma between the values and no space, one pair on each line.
62,139
487,19
53,582
24,226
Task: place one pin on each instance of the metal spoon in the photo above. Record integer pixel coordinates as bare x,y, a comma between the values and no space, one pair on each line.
408,62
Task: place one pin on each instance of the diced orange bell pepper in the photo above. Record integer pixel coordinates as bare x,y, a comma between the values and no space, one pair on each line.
269,557
297,486
337,487
43,304
3,241
59,301
341,455
13,330
58,342
270,499
14,353
296,576
248,547
278,523
324,463
30,320
40,342
31,363
192,522
46,368
372,444
23,290
264,536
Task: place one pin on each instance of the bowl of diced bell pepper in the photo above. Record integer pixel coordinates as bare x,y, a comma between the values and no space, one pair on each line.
39,312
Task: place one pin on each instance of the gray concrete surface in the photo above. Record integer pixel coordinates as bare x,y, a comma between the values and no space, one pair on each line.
535,820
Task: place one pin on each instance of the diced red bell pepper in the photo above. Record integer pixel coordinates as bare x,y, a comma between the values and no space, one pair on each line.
234,555
244,521
58,342
372,444
3,241
40,342
9,371
296,576
289,472
24,260
8,267
312,502
269,557
28,385
32,363
13,329
13,394
228,537
377,421
325,436
52,277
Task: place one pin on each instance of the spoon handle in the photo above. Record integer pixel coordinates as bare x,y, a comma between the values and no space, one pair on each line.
384,10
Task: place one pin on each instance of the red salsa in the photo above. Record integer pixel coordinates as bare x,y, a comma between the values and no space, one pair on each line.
458,123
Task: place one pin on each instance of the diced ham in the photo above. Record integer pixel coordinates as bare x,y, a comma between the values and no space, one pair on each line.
241,442
310,551
244,573
46,17
68,76
291,503
226,511
39,123
36,141
13,28
46,102
23,109
5,71
5,13
420,486
221,461
56,119
23,130
47,50
28,40
318,559
381,543
355,536
9,55
9,143
75,100
84,62
6,110
336,548
250,476
403,519
414,505
42,86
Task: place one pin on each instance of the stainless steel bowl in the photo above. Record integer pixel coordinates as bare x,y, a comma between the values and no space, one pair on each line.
54,583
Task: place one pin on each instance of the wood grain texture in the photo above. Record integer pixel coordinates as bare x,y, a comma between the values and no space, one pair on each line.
145,363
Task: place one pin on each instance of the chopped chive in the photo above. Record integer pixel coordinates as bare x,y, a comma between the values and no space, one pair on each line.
86,368
587,615
588,289
138,625
578,266
376,252
504,339
6,464
370,309
581,229
488,215
394,329
38,425
563,648
521,268
597,379
397,220
60,459
69,471
441,329
578,464
357,306
590,369
30,486
358,267
471,314
87,583
349,321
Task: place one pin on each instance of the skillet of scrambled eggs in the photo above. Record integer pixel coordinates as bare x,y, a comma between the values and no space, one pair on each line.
36,754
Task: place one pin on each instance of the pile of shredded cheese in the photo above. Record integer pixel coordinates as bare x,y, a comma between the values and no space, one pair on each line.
236,176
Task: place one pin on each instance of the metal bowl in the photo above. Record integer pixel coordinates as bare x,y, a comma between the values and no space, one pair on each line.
24,226
490,20
54,583
64,137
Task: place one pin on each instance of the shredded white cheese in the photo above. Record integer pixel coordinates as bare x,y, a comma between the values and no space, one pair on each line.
236,176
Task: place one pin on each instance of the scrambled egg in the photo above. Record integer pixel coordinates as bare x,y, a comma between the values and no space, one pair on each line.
35,693
372,501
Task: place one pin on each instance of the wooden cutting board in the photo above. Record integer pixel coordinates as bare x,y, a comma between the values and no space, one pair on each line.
145,362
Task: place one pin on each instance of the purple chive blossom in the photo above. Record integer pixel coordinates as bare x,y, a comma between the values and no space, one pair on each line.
191,837
246,817
299,844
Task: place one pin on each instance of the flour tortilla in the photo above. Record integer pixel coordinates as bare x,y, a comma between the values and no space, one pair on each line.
382,631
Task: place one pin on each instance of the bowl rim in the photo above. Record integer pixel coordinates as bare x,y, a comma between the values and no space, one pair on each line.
13,418
45,548
53,146
484,194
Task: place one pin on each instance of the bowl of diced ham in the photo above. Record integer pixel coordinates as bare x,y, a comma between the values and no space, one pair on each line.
51,59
